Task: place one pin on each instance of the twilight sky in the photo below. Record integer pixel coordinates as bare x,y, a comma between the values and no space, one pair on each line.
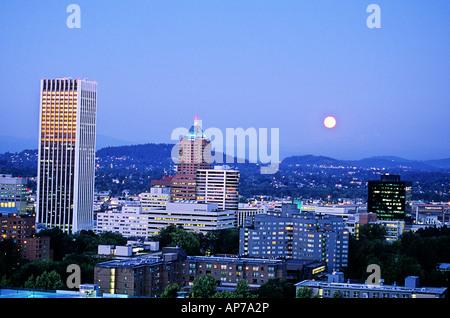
241,63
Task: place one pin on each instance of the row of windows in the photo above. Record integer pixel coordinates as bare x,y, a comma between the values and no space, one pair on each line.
358,294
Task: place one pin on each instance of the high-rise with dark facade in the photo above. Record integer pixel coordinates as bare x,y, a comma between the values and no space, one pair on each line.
390,198
194,153
66,166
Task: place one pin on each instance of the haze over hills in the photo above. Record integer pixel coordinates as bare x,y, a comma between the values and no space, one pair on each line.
131,168
375,162
159,155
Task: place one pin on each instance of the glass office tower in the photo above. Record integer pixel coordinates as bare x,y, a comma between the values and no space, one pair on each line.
390,199
66,166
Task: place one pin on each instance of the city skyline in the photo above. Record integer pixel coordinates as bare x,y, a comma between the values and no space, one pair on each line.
242,64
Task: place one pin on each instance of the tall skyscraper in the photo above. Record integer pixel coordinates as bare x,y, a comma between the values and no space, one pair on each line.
219,185
194,153
66,167
390,199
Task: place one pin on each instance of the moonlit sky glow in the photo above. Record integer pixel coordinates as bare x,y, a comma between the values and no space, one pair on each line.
241,63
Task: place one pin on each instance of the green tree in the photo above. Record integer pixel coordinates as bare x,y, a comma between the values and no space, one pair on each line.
171,291
337,294
61,243
276,288
30,282
305,292
224,294
203,287
188,241
9,257
177,236
51,280
5,281
242,290
224,241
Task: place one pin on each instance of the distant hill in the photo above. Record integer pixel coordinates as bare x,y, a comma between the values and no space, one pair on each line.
371,162
311,160
151,153
158,157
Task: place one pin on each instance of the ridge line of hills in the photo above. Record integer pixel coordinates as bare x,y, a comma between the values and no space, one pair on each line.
159,154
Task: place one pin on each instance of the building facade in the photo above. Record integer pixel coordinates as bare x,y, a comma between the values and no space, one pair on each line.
296,235
330,289
194,153
219,185
66,167
192,216
390,199
149,275
130,221
248,210
22,230
13,193
158,197
134,221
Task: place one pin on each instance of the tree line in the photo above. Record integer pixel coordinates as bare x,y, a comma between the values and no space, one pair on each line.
412,254
81,248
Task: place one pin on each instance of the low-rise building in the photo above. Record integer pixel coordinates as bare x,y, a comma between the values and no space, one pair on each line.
149,275
133,221
22,230
337,288
156,198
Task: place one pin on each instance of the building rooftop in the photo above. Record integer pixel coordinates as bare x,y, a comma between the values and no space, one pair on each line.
133,262
322,284
235,259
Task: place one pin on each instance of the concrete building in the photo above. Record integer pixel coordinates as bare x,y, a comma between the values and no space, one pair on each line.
133,248
249,210
156,198
219,185
133,221
192,215
149,275
130,221
13,193
336,287
292,234
22,230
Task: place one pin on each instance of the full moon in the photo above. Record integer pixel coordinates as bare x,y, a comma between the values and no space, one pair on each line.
329,122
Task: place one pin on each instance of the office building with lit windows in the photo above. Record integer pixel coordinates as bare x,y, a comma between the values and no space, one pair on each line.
390,198
194,153
135,221
219,185
336,287
21,229
130,221
66,159
13,193
296,235
158,197
149,275
192,216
